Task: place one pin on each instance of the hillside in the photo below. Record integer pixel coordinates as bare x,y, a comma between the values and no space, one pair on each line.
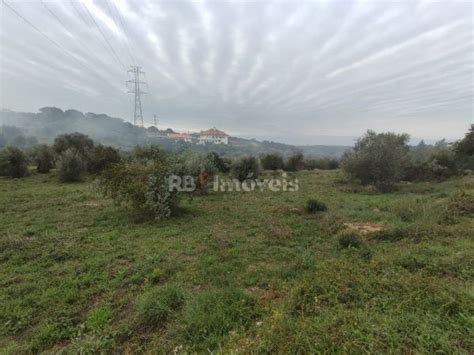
49,122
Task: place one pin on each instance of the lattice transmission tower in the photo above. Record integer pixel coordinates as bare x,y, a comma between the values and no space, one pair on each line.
137,82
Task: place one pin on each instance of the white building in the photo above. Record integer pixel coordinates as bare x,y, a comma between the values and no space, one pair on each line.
213,136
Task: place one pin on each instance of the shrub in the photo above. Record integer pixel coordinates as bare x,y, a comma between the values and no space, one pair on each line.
143,187
272,161
295,162
77,142
378,159
148,154
464,150
349,240
100,157
321,164
213,313
247,167
221,164
432,163
156,305
462,204
71,166
44,158
314,206
13,163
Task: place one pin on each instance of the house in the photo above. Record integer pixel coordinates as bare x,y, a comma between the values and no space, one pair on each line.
180,137
213,136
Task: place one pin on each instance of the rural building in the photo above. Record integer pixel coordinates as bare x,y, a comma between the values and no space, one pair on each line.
180,137
214,136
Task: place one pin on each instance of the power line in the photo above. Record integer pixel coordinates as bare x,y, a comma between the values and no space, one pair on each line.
34,27
103,36
43,34
121,25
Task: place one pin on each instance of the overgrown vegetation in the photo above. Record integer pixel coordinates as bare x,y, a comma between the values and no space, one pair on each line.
13,163
378,159
233,272
236,272
246,167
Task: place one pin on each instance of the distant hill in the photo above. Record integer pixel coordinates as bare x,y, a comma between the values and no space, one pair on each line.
50,122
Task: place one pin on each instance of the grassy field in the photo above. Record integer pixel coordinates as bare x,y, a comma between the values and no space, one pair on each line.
237,272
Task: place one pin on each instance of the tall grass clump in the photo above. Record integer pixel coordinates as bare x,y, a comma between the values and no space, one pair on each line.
155,306
213,314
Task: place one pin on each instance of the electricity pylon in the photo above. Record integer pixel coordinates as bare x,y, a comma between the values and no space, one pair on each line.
138,115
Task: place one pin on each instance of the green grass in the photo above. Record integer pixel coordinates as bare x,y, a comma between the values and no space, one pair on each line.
237,272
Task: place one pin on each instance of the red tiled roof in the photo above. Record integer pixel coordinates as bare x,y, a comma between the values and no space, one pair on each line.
179,136
213,132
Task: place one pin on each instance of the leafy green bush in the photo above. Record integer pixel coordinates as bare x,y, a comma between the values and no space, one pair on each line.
143,187
464,150
295,162
246,167
221,164
157,305
13,163
214,313
72,166
273,161
43,156
78,143
378,159
148,154
314,206
349,240
437,162
100,157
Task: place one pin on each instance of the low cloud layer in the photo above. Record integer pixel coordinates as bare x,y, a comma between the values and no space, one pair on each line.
289,71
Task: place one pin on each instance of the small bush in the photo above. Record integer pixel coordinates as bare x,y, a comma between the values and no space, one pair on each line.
143,187
349,240
321,164
44,158
221,164
71,166
314,206
272,162
246,167
100,157
13,163
295,162
462,204
157,305
148,154
77,142
214,313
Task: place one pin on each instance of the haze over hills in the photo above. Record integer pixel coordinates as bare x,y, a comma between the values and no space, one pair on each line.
49,122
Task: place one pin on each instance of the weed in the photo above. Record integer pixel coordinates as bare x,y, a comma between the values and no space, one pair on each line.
157,304
99,318
213,313
349,240
315,206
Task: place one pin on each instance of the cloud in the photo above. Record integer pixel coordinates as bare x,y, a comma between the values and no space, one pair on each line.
277,70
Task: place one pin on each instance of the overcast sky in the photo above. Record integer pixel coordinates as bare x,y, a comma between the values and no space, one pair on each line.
294,72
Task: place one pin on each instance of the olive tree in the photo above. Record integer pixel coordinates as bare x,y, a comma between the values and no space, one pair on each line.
378,159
